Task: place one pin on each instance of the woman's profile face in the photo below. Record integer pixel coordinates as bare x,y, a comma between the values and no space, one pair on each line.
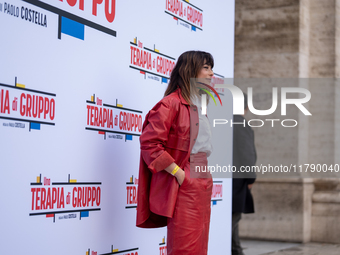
206,72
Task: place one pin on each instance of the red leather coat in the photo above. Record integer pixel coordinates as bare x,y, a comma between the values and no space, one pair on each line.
168,136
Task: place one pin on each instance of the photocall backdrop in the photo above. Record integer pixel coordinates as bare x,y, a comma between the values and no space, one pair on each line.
76,81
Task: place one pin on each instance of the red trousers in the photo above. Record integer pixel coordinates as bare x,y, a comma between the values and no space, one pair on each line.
188,229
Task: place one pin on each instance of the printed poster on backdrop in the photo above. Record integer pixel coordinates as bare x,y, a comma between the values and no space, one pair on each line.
77,79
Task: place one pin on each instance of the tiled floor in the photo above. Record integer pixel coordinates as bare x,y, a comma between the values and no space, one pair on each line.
254,247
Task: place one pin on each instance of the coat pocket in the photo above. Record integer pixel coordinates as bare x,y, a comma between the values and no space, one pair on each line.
178,143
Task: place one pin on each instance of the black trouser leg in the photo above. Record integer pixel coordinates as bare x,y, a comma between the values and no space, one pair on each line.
235,244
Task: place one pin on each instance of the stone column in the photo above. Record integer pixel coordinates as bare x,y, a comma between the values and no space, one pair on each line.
296,39
272,40
325,126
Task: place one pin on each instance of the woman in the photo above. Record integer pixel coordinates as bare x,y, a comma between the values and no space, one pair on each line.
175,139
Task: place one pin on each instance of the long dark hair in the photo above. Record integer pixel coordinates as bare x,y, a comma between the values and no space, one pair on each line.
188,66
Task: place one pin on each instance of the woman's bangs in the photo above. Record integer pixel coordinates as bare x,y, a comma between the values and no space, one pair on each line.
209,60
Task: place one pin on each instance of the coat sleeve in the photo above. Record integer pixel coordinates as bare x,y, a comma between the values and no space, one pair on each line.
155,135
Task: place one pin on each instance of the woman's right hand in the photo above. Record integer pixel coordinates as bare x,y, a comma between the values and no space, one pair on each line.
180,175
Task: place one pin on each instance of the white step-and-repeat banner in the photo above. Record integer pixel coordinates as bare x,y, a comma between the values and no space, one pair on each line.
77,78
